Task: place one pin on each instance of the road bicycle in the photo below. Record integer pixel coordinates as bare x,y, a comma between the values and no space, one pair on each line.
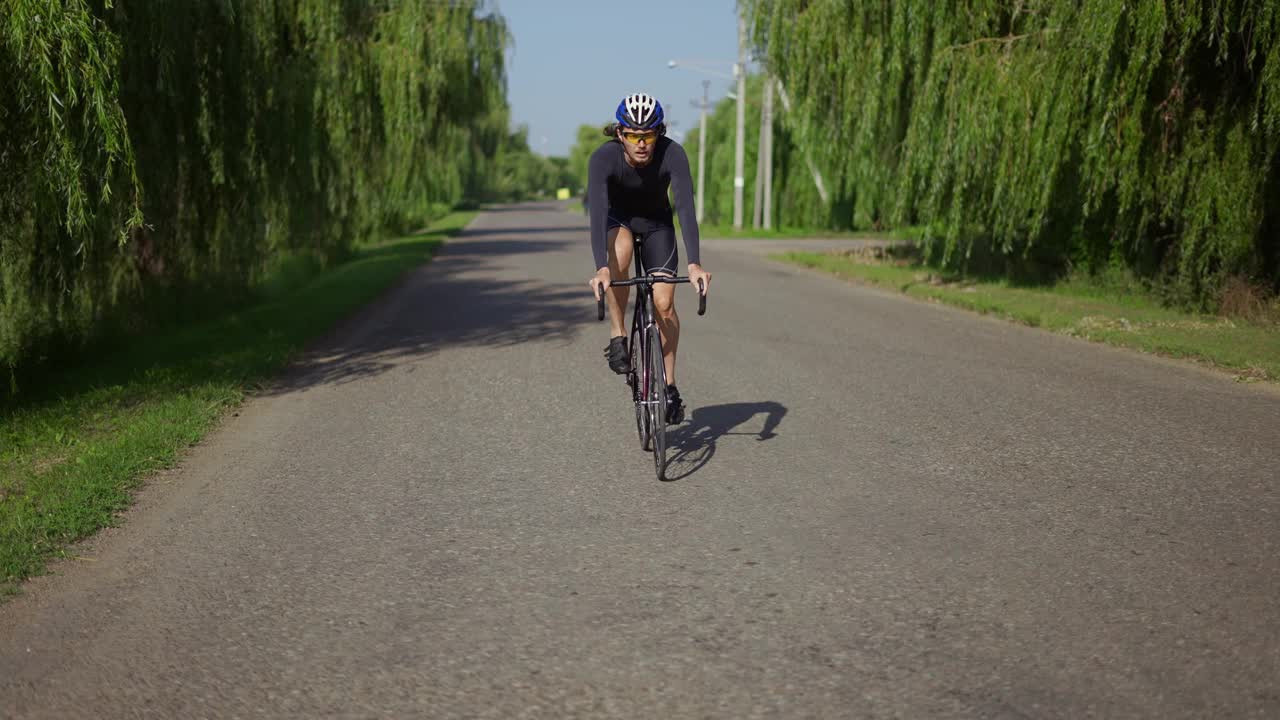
647,376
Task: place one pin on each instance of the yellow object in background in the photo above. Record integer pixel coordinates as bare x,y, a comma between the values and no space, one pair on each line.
562,194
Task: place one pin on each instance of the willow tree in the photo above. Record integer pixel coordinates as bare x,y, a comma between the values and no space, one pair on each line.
68,193
240,130
1143,134
586,140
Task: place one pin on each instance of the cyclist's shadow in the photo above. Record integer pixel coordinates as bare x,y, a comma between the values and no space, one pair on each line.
693,443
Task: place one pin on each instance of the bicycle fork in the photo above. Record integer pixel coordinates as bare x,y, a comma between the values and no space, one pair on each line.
640,379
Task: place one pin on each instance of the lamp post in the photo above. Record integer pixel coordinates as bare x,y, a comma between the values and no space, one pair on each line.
766,150
740,69
739,74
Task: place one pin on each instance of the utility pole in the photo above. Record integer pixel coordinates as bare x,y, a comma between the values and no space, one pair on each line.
762,215
702,148
757,206
740,70
766,149
699,66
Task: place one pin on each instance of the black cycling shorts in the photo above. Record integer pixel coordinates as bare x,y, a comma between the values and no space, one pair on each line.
657,241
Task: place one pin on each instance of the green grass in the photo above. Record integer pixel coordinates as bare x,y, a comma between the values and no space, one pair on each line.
727,231
71,452
1113,313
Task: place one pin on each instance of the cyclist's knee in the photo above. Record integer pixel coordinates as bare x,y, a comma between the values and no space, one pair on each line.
665,306
619,244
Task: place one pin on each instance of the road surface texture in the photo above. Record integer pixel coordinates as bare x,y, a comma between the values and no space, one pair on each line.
879,508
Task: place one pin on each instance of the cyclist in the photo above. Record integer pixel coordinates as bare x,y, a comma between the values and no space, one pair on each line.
627,182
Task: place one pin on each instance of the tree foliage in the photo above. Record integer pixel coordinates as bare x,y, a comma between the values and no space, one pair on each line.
1144,134
588,138
155,152
68,188
796,201
520,173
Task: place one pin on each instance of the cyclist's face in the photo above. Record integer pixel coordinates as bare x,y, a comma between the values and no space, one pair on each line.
638,144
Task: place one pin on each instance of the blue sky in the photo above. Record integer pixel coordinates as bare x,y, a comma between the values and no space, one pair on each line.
573,60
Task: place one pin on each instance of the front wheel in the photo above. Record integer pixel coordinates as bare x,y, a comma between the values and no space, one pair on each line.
636,378
657,401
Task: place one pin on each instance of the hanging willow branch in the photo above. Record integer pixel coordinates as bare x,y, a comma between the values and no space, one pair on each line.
1143,134
1006,40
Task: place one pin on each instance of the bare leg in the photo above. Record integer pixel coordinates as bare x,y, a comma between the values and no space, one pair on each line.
620,243
664,301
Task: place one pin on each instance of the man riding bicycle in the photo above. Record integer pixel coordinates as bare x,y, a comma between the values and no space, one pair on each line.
627,182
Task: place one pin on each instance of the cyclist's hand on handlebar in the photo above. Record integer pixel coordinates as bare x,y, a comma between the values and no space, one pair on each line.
696,274
600,281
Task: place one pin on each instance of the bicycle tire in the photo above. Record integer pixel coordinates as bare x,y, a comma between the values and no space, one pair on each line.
636,378
657,402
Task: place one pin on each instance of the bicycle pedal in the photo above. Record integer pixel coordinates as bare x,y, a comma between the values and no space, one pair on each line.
681,417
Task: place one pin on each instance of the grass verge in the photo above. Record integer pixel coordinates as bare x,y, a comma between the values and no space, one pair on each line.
1112,314
727,231
71,454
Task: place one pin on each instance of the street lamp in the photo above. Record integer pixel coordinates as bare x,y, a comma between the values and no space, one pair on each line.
702,144
703,66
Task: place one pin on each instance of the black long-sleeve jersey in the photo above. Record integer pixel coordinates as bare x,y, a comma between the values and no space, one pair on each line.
616,188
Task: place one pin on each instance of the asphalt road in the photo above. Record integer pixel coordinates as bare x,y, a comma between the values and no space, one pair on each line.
881,508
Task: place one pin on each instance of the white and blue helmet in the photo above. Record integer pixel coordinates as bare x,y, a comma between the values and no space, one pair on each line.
640,111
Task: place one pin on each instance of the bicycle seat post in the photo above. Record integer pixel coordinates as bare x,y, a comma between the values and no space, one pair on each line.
635,252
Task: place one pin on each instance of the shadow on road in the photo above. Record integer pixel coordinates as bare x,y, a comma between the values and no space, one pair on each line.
570,230
694,443
458,304
543,206
487,287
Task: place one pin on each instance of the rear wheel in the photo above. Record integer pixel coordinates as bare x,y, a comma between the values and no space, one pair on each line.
657,402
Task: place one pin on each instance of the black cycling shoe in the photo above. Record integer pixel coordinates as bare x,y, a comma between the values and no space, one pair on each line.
675,406
616,354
